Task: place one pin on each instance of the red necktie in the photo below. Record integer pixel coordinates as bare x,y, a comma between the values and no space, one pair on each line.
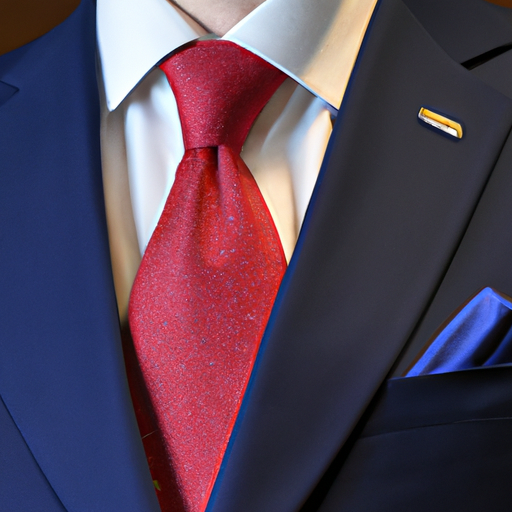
209,276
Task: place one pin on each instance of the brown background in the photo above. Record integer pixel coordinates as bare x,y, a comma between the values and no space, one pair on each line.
24,20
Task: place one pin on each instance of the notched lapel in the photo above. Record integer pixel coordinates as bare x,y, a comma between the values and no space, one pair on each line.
7,91
389,210
491,72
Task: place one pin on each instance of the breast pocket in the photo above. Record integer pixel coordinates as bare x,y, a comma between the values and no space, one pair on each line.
438,442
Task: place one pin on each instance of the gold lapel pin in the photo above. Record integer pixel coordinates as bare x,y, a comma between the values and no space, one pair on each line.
440,122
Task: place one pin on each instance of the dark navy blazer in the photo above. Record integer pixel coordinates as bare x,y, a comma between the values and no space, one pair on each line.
403,226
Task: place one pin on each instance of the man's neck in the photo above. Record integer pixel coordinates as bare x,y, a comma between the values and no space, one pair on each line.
217,16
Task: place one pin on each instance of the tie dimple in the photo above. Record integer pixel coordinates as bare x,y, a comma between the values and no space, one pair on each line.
210,273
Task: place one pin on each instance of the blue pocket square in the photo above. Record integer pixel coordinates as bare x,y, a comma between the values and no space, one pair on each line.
478,334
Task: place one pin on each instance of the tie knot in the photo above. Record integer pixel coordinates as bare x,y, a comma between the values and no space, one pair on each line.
220,88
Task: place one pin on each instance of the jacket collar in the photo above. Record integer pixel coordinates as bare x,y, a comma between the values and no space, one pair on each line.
62,375
391,204
322,358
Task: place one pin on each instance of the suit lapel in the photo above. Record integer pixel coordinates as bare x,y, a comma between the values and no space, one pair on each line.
61,367
390,207
483,257
382,227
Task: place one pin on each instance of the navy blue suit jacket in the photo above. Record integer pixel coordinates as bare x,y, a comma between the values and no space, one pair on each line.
404,224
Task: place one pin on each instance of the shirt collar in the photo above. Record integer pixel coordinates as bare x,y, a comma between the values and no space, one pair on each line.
316,43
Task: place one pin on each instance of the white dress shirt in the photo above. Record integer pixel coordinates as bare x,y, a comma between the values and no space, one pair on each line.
315,43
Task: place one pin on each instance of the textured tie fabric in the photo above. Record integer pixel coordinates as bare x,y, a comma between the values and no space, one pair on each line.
210,273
